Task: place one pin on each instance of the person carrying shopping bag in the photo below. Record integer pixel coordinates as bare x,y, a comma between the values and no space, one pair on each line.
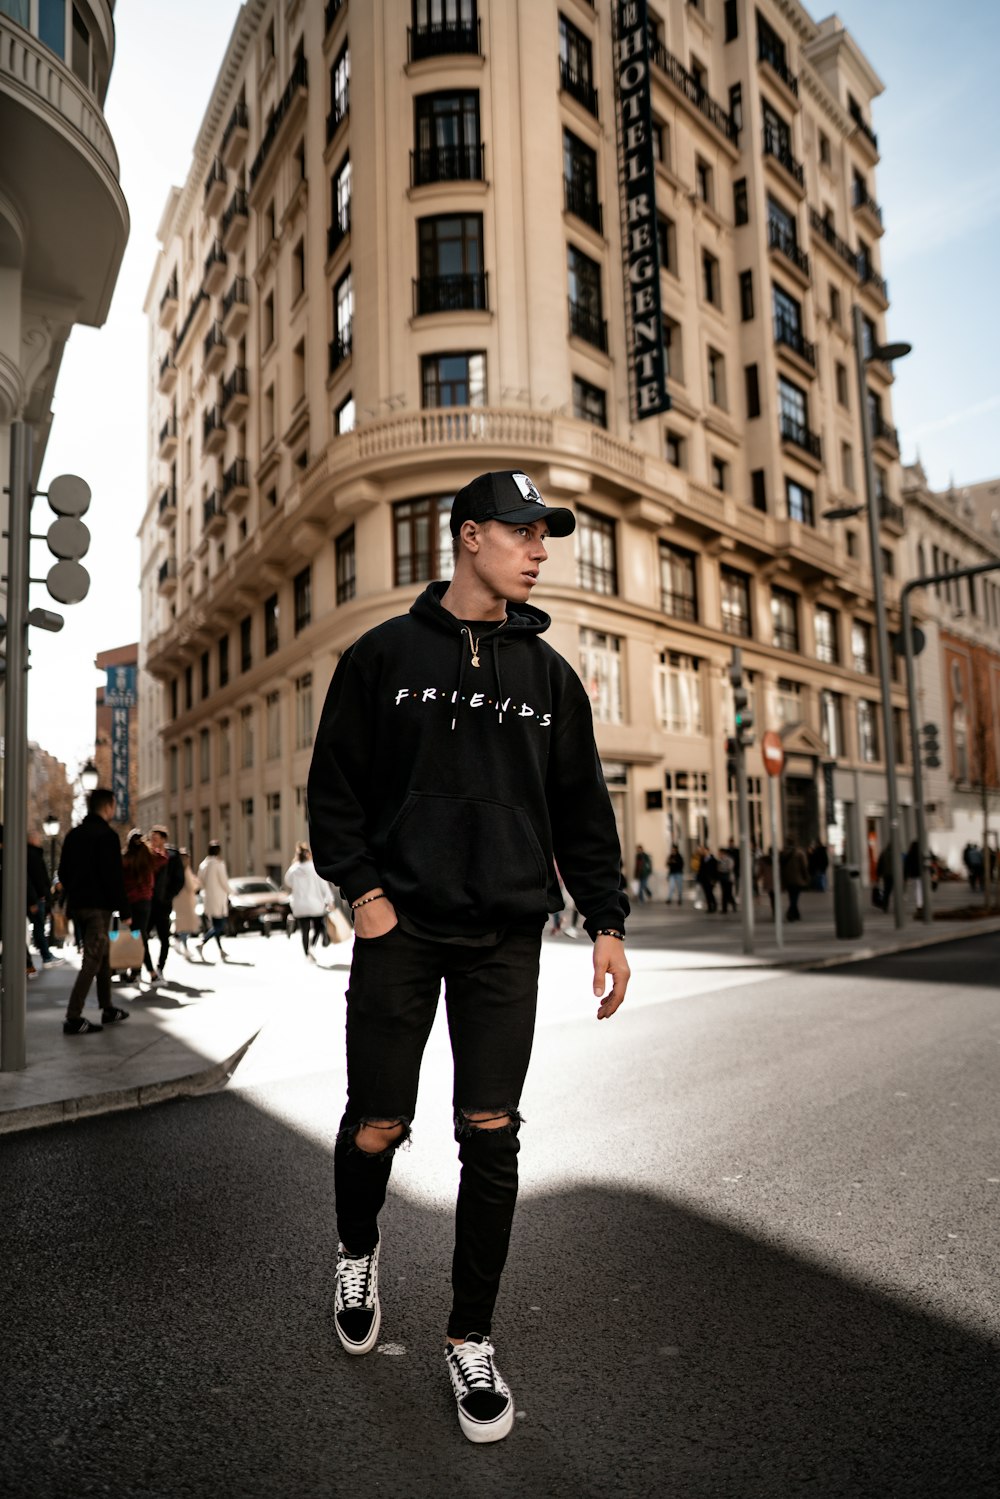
311,899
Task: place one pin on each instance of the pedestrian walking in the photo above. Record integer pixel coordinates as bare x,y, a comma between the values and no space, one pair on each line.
91,874
675,876
311,898
30,899
726,869
911,873
455,761
794,870
168,883
641,871
819,863
39,882
884,880
185,908
213,876
708,873
141,864
764,876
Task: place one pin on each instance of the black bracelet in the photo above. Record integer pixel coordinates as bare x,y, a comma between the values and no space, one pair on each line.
609,931
367,900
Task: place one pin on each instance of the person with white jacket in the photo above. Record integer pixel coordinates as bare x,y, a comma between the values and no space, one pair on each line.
311,897
214,879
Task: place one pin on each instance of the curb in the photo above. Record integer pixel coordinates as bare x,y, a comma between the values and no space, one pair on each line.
122,1100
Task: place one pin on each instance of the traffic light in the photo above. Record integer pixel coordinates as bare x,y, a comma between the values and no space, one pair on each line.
932,748
743,716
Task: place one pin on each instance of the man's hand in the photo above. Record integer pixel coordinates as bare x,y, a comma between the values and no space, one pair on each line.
609,958
376,918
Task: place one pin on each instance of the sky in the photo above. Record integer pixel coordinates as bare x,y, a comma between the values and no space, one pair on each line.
938,124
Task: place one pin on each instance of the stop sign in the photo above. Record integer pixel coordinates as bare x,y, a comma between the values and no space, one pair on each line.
773,751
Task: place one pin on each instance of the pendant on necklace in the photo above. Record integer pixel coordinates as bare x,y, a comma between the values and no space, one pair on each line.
475,659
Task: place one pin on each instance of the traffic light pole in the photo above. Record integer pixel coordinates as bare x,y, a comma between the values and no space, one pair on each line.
15,785
926,914
746,862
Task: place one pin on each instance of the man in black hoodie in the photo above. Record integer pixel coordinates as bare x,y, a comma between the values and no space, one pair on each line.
455,763
90,871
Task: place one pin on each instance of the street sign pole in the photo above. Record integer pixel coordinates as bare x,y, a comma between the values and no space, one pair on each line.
773,754
746,860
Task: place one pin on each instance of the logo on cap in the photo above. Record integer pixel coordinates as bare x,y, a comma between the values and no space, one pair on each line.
528,489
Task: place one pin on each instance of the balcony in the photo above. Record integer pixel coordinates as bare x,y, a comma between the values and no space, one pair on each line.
447,164
236,485
339,110
235,136
891,514
863,129
777,150
200,298
588,325
826,232
213,515
872,282
785,244
690,89
297,84
866,208
166,509
215,189
338,231
771,57
579,88
788,336
236,307
169,303
214,350
235,394
799,435
340,347
885,433
235,221
215,269
468,293
168,374
443,39
168,439
213,431
330,14
166,578
580,199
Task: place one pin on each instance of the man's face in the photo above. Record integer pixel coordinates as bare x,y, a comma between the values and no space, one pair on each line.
509,558
157,841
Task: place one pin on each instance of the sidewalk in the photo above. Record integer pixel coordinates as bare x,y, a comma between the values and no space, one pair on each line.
188,1036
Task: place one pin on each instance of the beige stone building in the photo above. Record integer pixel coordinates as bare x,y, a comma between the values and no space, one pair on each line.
396,262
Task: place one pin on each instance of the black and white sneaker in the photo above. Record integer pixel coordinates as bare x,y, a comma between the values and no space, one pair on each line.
356,1308
80,1027
485,1404
114,1015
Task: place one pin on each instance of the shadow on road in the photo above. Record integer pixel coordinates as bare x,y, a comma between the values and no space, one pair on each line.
973,961
165,1294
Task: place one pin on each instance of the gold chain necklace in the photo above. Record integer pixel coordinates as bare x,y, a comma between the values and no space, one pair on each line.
474,644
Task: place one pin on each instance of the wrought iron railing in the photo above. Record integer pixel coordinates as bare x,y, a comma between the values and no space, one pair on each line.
778,238
579,87
298,79
443,38
446,164
798,433
588,325
581,200
460,293
777,147
695,91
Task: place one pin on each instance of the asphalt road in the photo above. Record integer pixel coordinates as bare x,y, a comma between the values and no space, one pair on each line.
756,1256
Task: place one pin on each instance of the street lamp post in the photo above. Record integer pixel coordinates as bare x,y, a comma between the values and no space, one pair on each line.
89,777
51,828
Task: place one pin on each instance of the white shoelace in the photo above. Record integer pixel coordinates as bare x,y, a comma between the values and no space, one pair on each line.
475,1362
353,1278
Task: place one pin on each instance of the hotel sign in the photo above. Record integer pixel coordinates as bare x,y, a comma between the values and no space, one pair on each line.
637,177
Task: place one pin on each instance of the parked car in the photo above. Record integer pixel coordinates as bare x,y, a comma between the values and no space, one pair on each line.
256,904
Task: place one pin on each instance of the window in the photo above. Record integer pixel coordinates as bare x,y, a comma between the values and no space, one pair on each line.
267,417
703,180
80,56
589,402
699,74
304,711
826,636
673,353
736,106
659,139
720,473
188,688
246,643
601,671
847,465
746,296
580,181
840,373
710,279
246,738
831,722
246,807
666,243
782,228
274,819
188,758
679,693
800,502
787,319
596,562
225,748
752,390
453,379
272,722
447,138
344,416
267,322
271,625
835,306
51,22
717,379
340,205
223,660
758,490
173,760
586,311
675,449
346,558
678,584
340,90
735,602
868,742
784,619
343,320
889,569
450,260
851,538
204,756
423,540
741,203
824,149
777,135
576,65
861,647
788,702
205,683
730,12
794,410
298,270
302,588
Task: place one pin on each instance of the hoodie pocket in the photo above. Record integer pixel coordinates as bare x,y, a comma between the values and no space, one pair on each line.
465,856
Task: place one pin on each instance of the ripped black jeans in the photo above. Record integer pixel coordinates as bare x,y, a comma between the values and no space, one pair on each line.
491,994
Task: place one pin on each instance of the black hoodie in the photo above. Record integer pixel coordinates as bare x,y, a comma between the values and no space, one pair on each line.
452,786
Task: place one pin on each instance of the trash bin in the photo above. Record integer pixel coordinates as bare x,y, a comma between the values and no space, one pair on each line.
847,901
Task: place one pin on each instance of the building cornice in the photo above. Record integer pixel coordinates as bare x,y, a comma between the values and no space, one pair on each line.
830,38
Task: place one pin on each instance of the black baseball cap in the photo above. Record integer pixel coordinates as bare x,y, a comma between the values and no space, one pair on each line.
511,497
